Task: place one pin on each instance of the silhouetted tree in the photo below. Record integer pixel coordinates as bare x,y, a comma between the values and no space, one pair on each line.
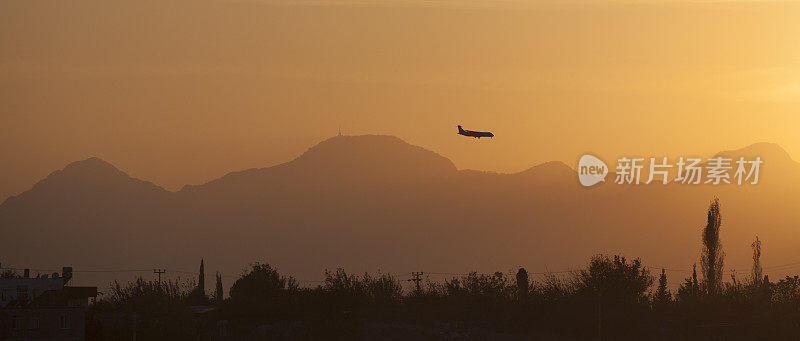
262,291
495,287
159,305
690,288
523,286
610,298
198,295
787,291
759,286
343,291
340,281
201,279
757,271
712,258
553,288
662,296
383,289
617,288
8,273
218,290
616,279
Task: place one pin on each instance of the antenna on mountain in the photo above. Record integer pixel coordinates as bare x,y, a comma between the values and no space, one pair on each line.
340,130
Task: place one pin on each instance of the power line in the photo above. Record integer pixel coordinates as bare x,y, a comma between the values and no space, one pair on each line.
79,271
411,274
789,265
552,272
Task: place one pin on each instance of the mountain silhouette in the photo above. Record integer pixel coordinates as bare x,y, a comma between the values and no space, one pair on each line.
367,202
90,179
339,161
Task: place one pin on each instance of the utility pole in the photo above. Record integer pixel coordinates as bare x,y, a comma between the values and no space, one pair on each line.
416,277
159,272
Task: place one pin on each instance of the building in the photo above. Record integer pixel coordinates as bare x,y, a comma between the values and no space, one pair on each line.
43,307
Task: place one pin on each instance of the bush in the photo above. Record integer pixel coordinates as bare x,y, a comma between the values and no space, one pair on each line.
262,292
160,309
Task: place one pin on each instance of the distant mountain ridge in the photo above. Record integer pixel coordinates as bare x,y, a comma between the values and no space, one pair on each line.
368,202
344,159
92,176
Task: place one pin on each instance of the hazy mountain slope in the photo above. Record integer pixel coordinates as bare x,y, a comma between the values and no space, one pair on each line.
86,212
338,161
368,202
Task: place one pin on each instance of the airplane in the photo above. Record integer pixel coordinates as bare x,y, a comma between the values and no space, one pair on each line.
475,134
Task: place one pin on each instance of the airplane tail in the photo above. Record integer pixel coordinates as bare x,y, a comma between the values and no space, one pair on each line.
460,131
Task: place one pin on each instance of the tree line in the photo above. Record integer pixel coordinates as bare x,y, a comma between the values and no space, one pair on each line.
612,297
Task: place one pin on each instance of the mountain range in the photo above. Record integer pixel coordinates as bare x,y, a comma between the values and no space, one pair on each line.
372,202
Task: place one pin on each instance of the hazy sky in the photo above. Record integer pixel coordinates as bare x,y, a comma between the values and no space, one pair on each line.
181,92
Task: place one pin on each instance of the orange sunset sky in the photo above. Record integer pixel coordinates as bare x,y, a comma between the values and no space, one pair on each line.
182,92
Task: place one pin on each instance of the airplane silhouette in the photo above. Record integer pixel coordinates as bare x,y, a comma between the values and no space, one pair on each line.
475,134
